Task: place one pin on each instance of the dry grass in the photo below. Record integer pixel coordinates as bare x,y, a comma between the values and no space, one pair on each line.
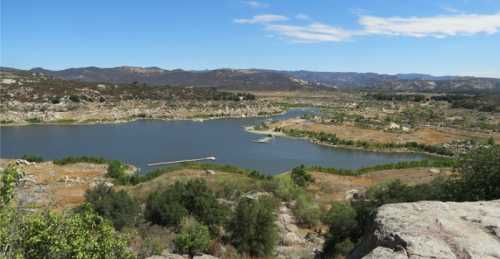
429,136
330,187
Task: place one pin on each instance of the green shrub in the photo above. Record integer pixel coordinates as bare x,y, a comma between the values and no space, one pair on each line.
118,207
301,177
80,159
284,188
10,176
177,201
32,158
50,235
342,221
74,98
34,120
253,229
193,237
306,210
478,175
116,169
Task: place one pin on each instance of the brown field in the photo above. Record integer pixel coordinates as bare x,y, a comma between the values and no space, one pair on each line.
330,187
56,187
424,135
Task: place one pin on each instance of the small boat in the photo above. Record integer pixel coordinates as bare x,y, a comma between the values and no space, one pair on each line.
263,140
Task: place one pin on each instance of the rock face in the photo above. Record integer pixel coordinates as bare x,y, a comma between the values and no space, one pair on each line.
295,242
432,229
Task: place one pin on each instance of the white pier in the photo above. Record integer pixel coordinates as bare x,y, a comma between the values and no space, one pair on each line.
182,161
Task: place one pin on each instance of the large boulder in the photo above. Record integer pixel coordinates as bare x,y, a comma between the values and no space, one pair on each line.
431,229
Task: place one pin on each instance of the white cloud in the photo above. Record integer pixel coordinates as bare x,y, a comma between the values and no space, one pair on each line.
437,26
302,16
315,32
256,4
264,18
433,26
450,9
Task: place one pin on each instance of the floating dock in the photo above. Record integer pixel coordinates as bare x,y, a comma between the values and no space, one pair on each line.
182,161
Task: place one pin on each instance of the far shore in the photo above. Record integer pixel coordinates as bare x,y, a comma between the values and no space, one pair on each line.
132,119
271,132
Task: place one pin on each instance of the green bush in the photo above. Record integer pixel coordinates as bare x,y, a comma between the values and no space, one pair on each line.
253,229
50,235
177,201
306,210
301,177
284,188
478,175
10,176
32,158
74,98
80,159
193,237
116,169
342,221
118,207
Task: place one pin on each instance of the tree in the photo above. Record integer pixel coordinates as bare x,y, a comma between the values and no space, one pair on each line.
342,220
301,177
118,207
306,210
478,175
10,176
116,169
50,235
193,237
253,229
177,201
166,208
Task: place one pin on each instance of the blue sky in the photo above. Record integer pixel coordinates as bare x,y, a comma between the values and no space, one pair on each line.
454,37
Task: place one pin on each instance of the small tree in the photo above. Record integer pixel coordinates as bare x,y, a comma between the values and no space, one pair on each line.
306,210
10,176
253,228
193,237
118,207
301,177
194,198
116,169
342,220
50,235
478,175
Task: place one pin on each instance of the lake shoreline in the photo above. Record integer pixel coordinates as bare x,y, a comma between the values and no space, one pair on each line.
133,119
251,129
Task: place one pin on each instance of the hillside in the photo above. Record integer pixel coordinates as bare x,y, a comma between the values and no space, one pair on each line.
259,79
221,78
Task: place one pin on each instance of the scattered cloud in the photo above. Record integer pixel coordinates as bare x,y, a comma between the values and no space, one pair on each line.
315,32
450,9
264,18
256,4
441,26
303,17
437,26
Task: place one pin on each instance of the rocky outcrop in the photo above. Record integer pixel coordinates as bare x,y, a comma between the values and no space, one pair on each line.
431,229
294,241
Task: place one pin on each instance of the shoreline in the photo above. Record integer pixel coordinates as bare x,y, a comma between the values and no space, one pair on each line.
251,129
133,119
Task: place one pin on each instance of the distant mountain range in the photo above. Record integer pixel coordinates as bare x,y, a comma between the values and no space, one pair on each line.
261,79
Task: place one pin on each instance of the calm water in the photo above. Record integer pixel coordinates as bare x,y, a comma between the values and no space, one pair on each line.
146,141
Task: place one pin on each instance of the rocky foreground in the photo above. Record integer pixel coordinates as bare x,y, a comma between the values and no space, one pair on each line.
431,229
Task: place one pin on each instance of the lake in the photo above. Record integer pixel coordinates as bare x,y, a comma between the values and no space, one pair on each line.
145,141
